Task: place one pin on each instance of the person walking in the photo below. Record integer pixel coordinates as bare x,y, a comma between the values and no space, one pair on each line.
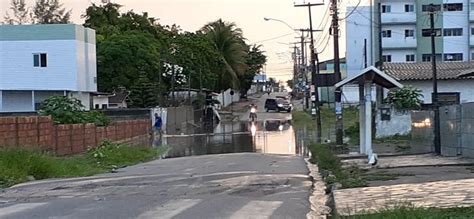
158,123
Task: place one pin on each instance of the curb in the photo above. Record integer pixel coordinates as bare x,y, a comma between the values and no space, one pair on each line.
318,198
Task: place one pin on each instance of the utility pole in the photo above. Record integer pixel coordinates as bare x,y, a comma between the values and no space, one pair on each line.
313,71
434,97
303,70
337,72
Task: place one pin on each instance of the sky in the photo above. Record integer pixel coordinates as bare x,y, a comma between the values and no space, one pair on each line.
275,36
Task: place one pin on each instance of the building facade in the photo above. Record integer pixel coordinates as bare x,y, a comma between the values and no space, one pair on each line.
38,61
405,32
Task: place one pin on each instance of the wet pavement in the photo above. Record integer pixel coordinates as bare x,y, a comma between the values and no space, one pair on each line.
271,181
272,133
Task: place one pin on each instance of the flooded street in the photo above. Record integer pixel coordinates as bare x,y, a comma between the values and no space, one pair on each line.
267,137
272,133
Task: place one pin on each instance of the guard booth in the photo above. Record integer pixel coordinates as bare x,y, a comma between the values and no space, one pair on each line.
366,79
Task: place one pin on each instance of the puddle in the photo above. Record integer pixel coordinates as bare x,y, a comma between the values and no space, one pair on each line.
270,137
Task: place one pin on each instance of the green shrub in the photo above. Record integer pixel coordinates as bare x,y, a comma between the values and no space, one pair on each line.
96,117
66,110
406,98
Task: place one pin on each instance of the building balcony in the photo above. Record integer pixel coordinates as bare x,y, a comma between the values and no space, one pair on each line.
399,43
397,18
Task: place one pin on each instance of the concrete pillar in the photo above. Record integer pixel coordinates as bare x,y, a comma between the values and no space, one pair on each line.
1,101
361,119
368,118
33,100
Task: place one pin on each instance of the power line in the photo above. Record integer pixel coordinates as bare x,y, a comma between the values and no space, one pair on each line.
274,38
355,8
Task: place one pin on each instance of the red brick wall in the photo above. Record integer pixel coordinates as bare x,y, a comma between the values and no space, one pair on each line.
39,132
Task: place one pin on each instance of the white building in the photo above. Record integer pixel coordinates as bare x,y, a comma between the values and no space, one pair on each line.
38,61
404,32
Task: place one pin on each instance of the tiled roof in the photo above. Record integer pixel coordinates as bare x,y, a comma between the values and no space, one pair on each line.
422,70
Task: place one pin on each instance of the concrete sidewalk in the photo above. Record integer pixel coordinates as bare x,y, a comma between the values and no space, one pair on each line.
422,180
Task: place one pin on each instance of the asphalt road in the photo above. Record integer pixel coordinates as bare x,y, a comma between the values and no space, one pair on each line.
246,185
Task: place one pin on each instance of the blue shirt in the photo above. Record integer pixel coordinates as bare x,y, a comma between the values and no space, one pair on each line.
158,122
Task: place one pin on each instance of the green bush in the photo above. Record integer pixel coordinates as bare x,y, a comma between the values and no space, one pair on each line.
326,159
66,110
406,98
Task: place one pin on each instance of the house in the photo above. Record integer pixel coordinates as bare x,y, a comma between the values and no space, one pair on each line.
119,99
39,61
100,100
419,75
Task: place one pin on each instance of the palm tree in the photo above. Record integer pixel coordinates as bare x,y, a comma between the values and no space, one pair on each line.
229,42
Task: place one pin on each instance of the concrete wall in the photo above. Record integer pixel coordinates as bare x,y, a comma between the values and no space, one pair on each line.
399,124
226,99
39,133
462,86
17,101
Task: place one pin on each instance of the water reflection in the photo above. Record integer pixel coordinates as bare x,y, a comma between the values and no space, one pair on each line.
271,136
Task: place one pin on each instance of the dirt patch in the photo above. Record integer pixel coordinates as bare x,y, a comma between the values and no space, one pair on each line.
421,174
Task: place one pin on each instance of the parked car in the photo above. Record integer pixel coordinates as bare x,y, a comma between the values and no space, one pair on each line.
278,105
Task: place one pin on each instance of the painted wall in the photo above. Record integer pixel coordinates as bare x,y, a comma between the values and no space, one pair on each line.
422,22
465,87
457,19
399,55
84,97
399,124
358,28
17,101
18,73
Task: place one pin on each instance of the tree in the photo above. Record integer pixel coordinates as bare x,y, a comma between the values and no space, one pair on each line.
50,12
290,83
229,42
21,14
255,61
144,93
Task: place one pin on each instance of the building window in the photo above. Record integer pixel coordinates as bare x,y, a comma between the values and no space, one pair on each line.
409,8
427,57
386,8
472,31
387,58
427,32
96,106
104,106
452,7
472,6
453,57
472,56
40,60
426,8
410,58
409,33
452,32
386,33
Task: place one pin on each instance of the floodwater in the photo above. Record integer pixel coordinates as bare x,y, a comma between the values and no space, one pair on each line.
269,137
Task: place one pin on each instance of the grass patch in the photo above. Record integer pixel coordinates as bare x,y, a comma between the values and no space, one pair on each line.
328,118
17,166
410,212
332,169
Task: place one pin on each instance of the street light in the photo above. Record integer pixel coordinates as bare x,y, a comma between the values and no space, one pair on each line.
281,21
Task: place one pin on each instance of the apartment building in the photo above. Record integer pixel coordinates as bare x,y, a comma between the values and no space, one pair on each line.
405,31
39,61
